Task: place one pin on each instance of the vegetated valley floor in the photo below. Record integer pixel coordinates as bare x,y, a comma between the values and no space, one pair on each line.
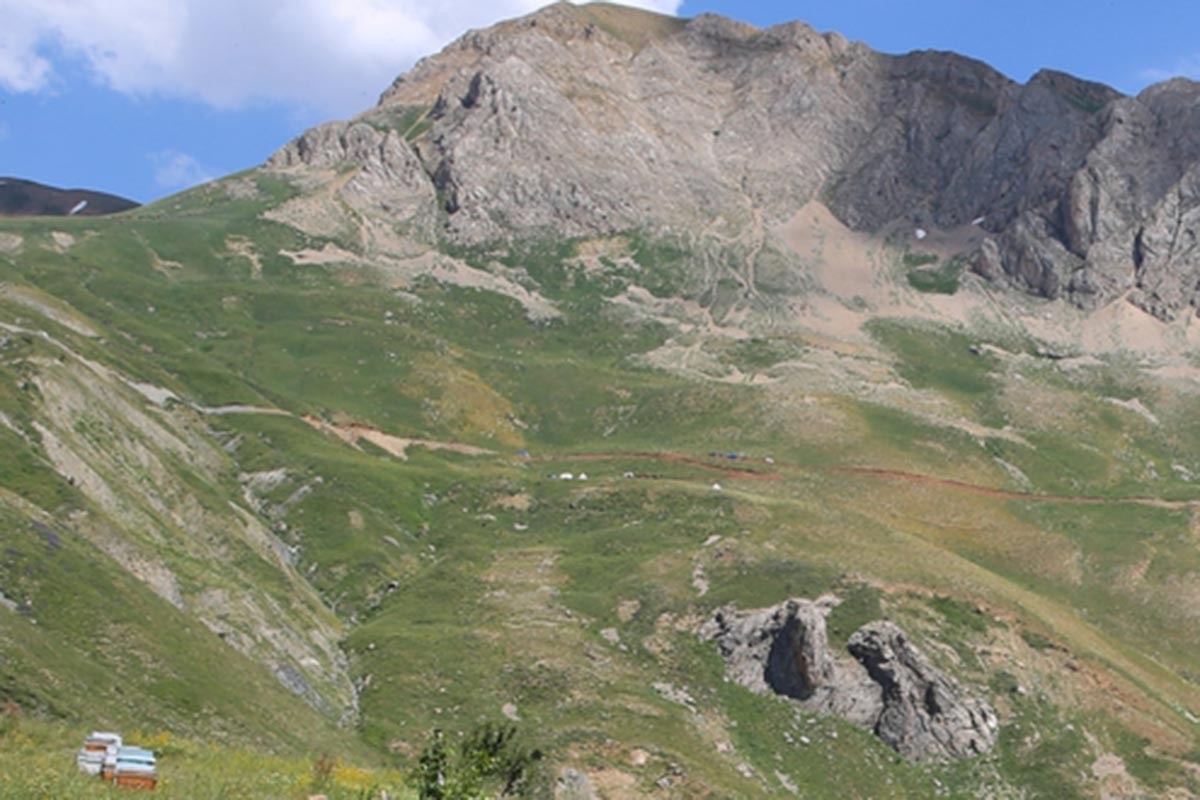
282,507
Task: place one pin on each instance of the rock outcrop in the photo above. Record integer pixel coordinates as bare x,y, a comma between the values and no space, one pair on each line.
592,120
884,684
388,179
924,712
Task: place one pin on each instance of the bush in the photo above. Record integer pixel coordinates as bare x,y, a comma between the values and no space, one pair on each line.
1037,641
490,758
942,279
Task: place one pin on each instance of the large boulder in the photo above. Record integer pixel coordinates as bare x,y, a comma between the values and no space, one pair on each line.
883,683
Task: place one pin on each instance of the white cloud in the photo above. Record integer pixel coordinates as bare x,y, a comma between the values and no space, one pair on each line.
328,56
175,170
1186,67
22,69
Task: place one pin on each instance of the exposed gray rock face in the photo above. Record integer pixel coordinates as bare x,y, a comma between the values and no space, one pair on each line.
389,179
887,687
586,120
924,712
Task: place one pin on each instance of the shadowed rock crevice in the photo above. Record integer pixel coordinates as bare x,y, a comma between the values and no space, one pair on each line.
797,664
883,684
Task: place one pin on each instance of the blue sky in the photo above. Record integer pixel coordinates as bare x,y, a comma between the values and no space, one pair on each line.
145,97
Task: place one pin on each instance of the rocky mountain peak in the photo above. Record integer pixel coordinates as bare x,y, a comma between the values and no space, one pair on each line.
597,119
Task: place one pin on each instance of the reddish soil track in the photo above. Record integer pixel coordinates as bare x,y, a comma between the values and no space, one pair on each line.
715,464
1007,494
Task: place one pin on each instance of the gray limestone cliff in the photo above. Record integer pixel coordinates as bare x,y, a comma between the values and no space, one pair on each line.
591,120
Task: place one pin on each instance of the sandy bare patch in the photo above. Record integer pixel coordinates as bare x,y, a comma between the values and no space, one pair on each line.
524,612
237,408
456,273
984,432
857,272
628,609
607,247
1115,780
690,359
597,256
525,584
1136,573
613,782
395,445
155,394
329,254
6,421
1136,406
245,188
1036,405
833,318
1014,472
845,262
1120,325
1182,376
10,243
75,468
164,266
62,240
242,247
687,316
256,485
443,269
318,213
49,308
514,502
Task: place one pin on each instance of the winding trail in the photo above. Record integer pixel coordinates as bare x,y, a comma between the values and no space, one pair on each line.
776,472
736,469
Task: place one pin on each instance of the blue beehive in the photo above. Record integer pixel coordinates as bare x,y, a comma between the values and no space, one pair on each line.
134,767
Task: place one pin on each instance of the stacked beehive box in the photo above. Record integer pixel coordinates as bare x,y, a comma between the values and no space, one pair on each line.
105,755
90,758
135,768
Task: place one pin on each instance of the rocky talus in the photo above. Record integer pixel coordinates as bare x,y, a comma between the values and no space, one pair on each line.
882,683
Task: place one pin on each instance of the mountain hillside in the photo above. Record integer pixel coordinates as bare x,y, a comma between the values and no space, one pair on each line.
20,198
734,412
721,129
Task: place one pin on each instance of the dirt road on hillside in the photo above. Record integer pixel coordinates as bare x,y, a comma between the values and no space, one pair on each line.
775,472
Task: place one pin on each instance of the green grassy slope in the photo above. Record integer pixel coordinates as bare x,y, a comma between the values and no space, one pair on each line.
1036,536
88,642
